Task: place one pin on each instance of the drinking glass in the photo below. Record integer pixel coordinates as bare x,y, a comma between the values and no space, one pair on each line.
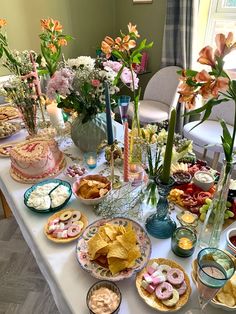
214,269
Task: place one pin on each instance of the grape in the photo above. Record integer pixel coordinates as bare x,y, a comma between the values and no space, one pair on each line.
208,201
203,210
202,216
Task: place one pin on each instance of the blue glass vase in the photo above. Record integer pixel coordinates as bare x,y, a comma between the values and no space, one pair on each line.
160,225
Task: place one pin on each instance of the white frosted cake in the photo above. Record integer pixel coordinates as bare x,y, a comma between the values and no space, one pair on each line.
36,159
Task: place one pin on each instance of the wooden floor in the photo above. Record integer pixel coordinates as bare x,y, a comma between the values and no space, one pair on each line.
23,290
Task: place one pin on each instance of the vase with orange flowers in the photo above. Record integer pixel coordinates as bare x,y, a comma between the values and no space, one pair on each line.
214,86
128,52
52,40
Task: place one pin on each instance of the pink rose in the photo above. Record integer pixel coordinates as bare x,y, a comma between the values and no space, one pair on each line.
95,83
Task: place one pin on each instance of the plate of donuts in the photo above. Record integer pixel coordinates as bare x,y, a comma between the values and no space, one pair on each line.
65,226
163,285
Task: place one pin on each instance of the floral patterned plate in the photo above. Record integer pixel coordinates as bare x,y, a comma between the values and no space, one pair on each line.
101,272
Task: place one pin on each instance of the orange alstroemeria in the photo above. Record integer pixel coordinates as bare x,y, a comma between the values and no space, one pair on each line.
221,84
62,42
3,22
124,43
52,47
57,26
203,76
106,49
187,94
109,40
45,24
206,56
224,44
133,29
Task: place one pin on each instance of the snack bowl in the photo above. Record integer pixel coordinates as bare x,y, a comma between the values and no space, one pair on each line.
230,247
108,285
50,209
204,180
214,302
151,299
90,178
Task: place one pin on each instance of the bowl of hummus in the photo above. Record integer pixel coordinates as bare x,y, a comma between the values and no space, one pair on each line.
104,297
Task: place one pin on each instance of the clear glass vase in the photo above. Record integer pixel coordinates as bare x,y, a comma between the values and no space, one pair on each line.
135,140
160,225
29,116
212,227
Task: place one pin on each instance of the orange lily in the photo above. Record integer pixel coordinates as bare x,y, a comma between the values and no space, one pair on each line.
3,22
206,56
132,29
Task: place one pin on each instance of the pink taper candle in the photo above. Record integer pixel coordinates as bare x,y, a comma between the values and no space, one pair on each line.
126,152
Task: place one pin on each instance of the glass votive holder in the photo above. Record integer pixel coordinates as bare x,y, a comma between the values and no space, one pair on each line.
183,242
188,219
136,174
91,159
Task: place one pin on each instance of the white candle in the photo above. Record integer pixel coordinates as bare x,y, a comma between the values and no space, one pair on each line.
55,115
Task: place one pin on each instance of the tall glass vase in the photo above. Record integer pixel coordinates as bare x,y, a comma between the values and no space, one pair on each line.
213,224
29,116
160,225
135,138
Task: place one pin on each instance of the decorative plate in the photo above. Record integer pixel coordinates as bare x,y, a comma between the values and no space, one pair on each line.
17,126
151,299
214,302
83,218
8,113
59,182
101,272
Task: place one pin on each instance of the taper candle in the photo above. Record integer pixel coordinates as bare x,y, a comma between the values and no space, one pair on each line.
110,139
165,176
126,152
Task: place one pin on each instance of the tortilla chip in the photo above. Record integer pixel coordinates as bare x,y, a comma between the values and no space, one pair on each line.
116,264
117,250
95,244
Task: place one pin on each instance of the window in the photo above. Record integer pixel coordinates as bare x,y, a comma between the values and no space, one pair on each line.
222,20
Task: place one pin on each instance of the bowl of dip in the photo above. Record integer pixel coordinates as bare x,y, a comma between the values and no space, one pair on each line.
104,297
204,180
231,241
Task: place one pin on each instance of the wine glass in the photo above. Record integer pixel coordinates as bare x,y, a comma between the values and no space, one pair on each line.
214,269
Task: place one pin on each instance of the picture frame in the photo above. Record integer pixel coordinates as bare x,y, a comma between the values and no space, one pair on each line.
142,1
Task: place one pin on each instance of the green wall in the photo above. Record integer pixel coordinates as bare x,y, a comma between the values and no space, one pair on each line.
88,21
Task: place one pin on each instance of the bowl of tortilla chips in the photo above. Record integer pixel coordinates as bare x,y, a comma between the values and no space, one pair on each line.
113,248
91,189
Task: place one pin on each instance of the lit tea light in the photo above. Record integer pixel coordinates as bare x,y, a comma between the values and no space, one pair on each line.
183,242
91,160
188,219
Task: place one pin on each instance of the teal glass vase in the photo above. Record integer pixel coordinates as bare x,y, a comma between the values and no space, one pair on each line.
160,225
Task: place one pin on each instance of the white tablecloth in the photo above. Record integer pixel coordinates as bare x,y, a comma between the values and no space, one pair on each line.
68,282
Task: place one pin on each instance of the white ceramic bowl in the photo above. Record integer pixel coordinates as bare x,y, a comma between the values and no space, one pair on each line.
204,185
229,245
92,201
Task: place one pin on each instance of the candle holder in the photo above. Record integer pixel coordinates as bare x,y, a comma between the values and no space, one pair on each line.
160,225
188,219
136,174
183,242
91,159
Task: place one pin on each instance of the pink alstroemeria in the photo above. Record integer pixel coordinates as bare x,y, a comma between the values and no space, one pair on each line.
224,44
206,56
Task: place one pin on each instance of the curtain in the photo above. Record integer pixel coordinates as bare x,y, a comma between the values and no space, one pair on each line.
179,32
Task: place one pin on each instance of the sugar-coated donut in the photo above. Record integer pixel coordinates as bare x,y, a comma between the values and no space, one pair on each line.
66,215
164,269
181,288
76,215
173,300
73,231
164,291
175,276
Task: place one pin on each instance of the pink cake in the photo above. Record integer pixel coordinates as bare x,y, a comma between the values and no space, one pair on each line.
36,159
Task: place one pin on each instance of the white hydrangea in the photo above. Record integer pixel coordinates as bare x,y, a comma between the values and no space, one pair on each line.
85,61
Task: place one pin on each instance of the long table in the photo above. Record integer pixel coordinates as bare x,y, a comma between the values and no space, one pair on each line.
68,282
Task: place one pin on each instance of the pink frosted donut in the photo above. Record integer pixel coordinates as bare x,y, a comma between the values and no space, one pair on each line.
181,288
73,231
164,291
175,276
